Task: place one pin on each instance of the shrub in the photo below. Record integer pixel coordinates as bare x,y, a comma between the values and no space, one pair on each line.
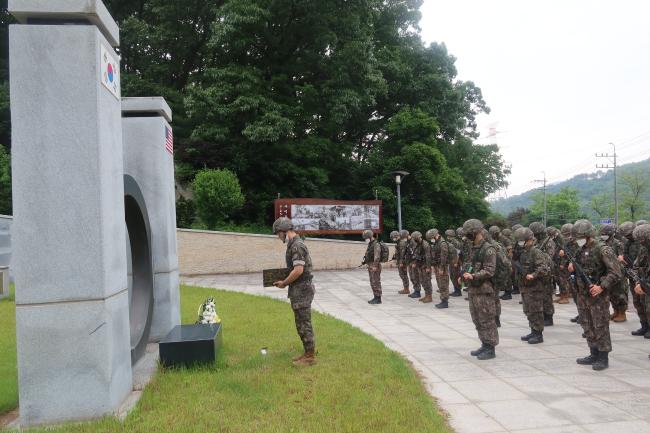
217,195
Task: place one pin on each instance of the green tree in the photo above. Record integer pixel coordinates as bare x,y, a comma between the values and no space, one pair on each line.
636,184
5,182
561,208
217,195
602,205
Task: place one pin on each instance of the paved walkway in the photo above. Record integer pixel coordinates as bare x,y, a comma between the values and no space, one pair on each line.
527,388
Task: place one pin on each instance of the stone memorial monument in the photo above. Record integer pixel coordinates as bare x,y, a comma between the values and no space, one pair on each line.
94,244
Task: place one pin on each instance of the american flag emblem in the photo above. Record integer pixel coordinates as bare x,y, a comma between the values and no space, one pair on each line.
169,140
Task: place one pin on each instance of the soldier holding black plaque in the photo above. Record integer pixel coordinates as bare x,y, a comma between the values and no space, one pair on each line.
301,288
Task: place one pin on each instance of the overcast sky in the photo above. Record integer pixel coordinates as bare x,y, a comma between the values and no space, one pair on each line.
563,78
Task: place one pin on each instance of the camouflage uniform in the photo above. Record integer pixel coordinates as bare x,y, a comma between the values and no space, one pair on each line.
641,265
501,275
483,262
618,293
301,291
424,262
441,266
454,268
533,262
411,265
401,261
373,260
547,246
632,249
506,245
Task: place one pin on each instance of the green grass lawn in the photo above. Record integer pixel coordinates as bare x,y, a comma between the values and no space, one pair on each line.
358,385
8,372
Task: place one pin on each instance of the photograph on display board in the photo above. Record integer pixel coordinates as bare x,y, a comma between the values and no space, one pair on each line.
331,216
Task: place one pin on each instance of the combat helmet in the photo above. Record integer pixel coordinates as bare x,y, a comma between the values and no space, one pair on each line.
516,226
552,231
404,234
282,224
494,231
523,234
538,229
641,222
566,230
506,232
608,230
642,234
583,229
626,229
472,227
394,235
367,234
460,232
416,236
450,233
431,234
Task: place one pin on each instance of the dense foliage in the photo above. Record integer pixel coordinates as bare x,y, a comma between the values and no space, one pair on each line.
313,99
217,194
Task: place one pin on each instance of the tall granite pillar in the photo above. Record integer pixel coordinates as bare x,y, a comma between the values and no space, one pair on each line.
72,306
149,159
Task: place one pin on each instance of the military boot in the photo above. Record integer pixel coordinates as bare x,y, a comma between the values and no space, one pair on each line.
506,296
536,338
590,359
456,293
488,353
516,291
619,316
548,320
575,319
415,295
564,298
426,299
298,358
478,351
642,330
528,336
602,362
308,359
404,291
442,304
374,301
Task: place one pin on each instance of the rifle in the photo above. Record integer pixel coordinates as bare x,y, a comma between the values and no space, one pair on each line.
363,263
578,269
634,275
518,267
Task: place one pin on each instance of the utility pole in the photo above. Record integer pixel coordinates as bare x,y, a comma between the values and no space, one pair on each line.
543,182
608,166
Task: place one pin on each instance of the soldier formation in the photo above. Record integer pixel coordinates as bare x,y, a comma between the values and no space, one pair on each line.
596,269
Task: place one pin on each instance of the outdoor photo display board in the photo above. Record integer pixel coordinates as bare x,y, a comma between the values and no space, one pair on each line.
321,216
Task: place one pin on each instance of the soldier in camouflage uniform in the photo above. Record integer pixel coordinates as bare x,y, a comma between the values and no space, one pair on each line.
501,274
423,263
618,293
411,265
547,246
465,254
568,278
503,279
601,273
642,265
555,235
401,260
478,275
440,253
516,252
373,260
631,249
454,268
301,289
535,270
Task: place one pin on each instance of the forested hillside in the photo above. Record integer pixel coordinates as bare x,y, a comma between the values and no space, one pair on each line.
595,193
307,99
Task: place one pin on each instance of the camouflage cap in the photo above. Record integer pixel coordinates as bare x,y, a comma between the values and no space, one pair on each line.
472,226
416,236
460,232
641,222
626,228
404,234
523,234
282,224
450,233
431,234
583,229
516,226
642,233
537,228
367,234
394,235
506,232
608,230
566,230
494,230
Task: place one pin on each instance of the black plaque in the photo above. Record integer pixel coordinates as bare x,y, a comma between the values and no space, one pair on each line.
190,345
270,276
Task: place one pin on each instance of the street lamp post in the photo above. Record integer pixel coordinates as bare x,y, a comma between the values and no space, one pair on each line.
399,175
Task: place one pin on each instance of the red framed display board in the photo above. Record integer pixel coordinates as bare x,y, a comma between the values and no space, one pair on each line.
331,217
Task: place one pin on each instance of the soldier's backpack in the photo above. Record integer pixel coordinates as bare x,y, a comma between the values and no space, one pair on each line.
384,252
453,253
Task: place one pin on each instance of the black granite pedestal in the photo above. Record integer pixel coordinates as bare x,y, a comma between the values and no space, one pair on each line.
190,345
